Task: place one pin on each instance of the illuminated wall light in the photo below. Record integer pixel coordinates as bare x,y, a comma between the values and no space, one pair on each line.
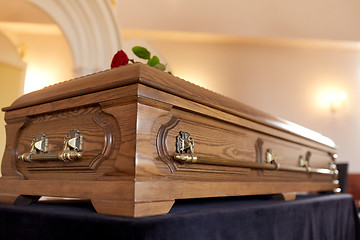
337,100
332,99
36,78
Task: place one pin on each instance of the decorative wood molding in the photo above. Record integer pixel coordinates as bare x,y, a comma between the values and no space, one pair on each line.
259,154
161,142
100,137
108,140
258,149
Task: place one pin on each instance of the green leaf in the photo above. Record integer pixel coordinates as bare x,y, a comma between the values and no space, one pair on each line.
141,52
160,66
153,61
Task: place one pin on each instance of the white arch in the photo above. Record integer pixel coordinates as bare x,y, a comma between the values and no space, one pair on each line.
91,28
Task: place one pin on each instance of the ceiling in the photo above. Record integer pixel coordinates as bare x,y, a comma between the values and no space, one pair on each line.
22,17
22,11
262,19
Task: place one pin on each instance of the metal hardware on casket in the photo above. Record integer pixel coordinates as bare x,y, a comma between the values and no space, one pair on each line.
39,145
72,148
332,164
305,162
184,141
271,158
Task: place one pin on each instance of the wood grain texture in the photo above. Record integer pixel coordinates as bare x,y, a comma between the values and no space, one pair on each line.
100,133
8,198
160,190
109,190
141,73
211,113
130,118
8,165
131,208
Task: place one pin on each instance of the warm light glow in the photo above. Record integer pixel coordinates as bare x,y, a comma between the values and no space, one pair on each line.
332,99
36,78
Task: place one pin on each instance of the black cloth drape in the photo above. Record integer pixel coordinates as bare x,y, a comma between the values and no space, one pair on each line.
317,217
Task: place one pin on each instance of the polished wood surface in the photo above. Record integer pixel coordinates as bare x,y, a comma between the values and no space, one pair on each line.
140,73
130,118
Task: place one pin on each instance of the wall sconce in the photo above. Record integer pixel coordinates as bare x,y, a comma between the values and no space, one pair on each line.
335,100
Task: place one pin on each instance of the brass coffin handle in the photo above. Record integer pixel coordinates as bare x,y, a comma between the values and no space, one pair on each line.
185,154
72,149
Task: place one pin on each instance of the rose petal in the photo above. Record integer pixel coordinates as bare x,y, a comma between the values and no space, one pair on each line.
119,59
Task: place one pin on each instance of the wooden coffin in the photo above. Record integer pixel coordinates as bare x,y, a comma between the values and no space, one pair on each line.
133,139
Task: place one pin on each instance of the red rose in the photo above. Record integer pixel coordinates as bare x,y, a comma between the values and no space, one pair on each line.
119,59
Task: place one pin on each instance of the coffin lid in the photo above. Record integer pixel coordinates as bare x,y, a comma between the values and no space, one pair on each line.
149,76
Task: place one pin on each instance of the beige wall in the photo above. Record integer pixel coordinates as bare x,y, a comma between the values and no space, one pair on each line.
306,19
48,59
11,79
10,82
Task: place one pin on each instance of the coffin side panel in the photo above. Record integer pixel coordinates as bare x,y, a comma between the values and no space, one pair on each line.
8,164
100,141
220,141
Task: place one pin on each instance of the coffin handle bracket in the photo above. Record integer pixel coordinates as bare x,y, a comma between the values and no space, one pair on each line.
72,149
271,158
